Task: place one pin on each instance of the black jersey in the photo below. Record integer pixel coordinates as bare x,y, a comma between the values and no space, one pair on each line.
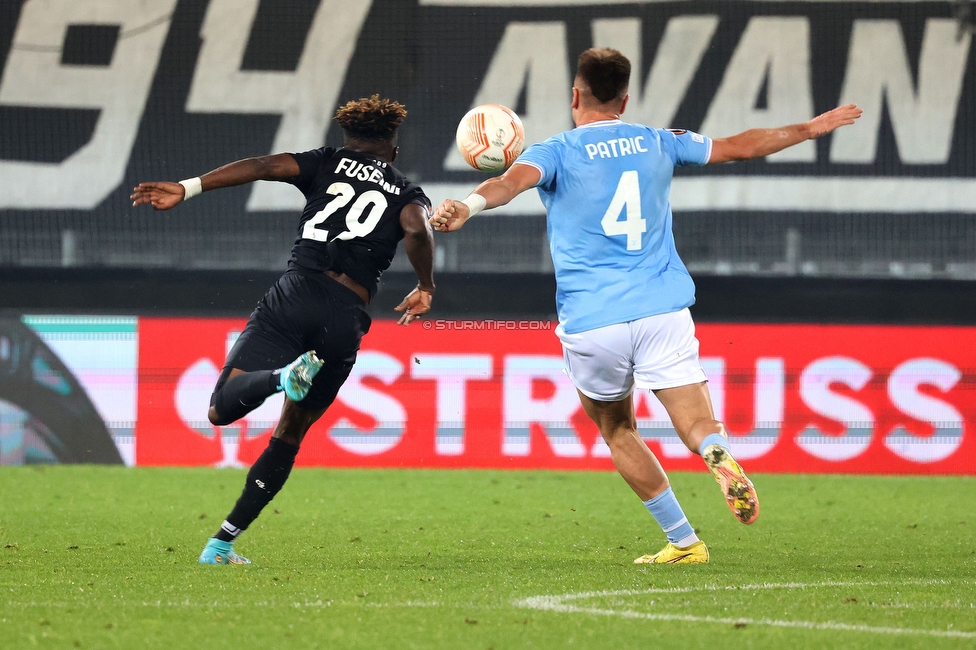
351,221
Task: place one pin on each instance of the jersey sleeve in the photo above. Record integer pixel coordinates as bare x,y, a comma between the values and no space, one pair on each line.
416,195
686,147
543,157
309,163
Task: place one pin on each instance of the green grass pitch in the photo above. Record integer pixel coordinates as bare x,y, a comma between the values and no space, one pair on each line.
106,557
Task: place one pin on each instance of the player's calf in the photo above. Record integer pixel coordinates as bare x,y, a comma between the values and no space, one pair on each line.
236,395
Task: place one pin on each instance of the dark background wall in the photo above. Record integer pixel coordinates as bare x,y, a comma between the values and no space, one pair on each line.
491,295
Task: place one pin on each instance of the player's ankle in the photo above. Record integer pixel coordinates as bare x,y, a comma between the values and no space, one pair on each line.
714,439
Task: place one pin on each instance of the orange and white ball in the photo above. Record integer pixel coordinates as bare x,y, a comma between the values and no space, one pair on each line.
490,137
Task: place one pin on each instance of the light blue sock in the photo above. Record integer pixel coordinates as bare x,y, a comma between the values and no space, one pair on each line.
671,518
714,439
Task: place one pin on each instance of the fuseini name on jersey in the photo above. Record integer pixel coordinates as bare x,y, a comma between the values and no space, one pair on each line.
368,173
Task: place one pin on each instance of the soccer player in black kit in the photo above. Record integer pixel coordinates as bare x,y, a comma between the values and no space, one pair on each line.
304,334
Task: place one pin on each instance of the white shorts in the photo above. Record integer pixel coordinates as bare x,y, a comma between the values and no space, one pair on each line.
654,352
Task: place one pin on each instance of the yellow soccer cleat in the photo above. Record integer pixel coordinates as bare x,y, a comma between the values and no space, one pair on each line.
697,553
739,491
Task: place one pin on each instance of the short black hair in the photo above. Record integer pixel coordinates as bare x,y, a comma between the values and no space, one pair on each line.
605,71
371,119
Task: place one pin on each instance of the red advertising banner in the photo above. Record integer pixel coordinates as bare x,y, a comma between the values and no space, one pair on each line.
796,398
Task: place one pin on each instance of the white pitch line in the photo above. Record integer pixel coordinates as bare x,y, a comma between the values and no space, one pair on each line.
761,585
557,604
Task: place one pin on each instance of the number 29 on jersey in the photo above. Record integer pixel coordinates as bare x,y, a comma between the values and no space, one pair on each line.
361,218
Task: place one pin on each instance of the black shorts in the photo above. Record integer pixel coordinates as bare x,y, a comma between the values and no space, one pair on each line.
304,310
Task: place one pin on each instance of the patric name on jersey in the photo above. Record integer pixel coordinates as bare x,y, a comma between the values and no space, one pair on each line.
618,147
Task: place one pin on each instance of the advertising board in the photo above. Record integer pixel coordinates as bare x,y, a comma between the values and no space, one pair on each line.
795,398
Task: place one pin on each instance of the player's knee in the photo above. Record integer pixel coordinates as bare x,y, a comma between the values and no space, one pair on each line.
216,419
617,431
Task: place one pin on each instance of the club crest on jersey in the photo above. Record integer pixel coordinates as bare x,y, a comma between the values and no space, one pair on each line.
694,136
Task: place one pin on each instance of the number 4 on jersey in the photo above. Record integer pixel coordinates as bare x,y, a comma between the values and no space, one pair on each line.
626,197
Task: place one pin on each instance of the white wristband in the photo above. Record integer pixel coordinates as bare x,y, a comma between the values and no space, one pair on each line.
191,187
475,202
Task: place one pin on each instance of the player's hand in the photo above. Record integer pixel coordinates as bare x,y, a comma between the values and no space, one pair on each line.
449,216
414,305
833,119
162,196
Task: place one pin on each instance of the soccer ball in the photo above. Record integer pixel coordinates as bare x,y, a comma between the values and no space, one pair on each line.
490,137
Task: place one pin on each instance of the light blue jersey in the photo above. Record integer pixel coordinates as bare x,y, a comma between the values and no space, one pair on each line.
606,189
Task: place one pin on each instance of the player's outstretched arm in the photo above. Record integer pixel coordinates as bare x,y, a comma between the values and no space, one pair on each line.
756,143
164,196
418,240
451,215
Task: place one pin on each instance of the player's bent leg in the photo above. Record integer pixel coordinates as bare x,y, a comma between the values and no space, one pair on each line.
237,392
630,454
642,471
691,413
264,480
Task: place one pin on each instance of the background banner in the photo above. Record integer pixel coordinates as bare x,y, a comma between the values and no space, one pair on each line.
116,79
853,399
97,95
67,389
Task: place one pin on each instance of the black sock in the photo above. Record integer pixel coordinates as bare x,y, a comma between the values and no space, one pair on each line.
266,477
242,394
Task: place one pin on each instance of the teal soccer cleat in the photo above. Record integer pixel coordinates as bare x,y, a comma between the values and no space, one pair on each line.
296,377
220,552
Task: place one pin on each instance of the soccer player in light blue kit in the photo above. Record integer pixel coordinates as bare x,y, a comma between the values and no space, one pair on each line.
622,292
